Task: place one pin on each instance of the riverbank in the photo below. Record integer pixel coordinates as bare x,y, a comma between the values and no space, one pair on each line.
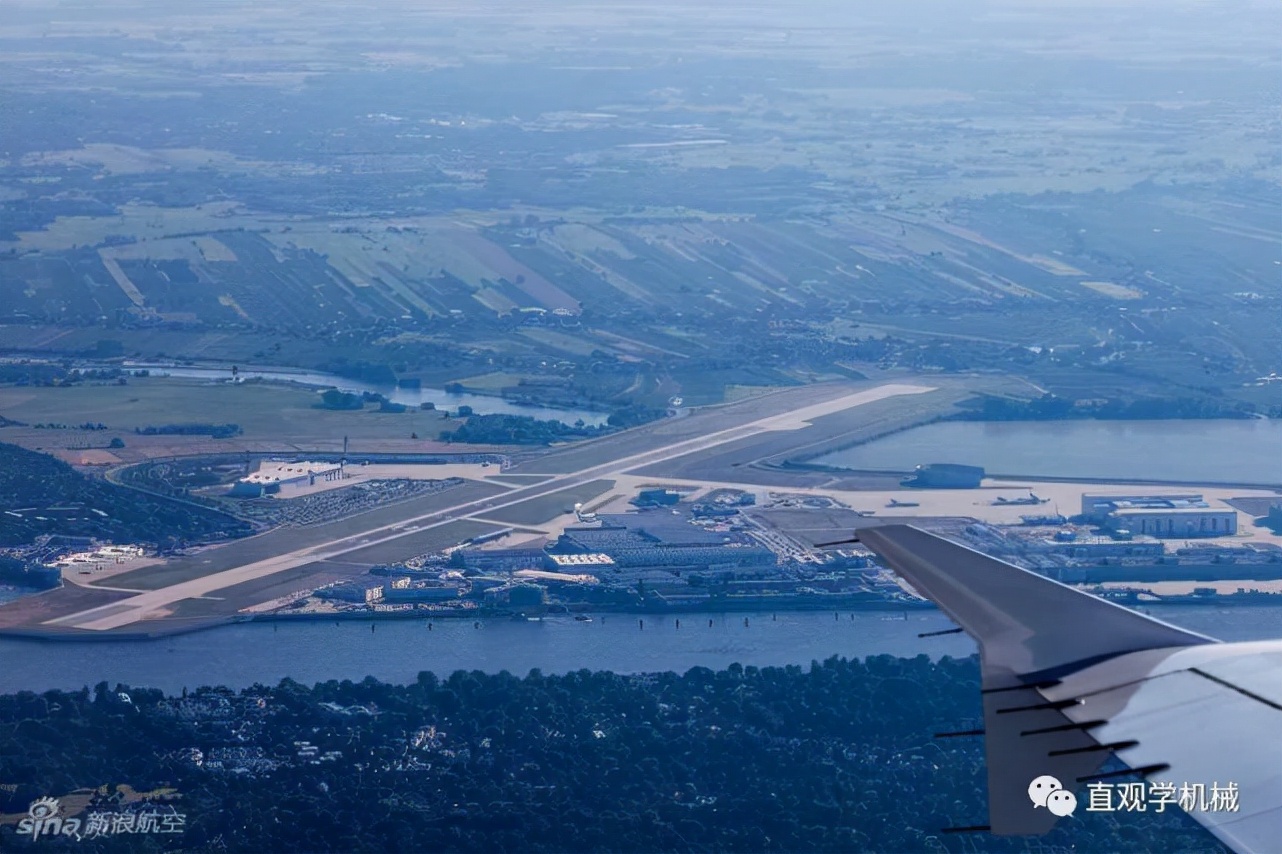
482,401
875,476
169,628
847,606
397,651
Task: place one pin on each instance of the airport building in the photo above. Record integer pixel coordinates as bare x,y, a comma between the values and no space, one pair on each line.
657,498
1173,522
353,592
1101,548
406,590
1097,507
593,562
272,475
499,560
945,476
659,542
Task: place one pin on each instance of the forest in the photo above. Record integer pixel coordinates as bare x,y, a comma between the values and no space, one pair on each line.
836,756
42,495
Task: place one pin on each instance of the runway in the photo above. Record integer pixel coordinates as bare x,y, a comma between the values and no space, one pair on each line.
154,604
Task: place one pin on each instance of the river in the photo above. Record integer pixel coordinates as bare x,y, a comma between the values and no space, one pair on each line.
481,403
1204,451
397,650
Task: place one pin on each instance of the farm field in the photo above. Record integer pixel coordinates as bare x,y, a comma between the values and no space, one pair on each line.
632,204
268,415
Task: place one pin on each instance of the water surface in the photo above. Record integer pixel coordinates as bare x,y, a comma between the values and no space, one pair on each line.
1189,451
481,403
396,651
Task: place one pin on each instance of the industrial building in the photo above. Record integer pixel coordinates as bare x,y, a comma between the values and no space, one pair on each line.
656,498
593,562
1097,507
272,475
355,592
405,590
498,560
1156,573
1100,548
945,476
553,578
660,543
1173,522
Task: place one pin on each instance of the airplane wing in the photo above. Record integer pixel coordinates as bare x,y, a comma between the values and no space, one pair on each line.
1070,680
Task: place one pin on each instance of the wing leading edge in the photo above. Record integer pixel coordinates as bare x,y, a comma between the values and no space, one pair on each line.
1033,633
1029,628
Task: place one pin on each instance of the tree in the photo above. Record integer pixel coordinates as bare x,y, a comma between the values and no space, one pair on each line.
334,399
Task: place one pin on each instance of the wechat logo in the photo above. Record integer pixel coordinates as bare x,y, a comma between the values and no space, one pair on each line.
1046,791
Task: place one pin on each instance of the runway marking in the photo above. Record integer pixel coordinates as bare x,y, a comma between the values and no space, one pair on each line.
136,608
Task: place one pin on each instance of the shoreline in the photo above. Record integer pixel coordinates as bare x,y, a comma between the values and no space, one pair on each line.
162,632
308,378
1102,481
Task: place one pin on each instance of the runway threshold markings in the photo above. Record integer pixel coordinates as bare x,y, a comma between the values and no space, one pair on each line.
132,610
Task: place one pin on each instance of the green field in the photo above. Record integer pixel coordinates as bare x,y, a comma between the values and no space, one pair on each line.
266,413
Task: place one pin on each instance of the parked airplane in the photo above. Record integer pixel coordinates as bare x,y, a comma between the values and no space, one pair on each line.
1031,499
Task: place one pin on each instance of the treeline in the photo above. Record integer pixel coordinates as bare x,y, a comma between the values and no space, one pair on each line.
25,574
340,400
1050,407
515,430
88,425
216,431
30,480
838,756
49,374
634,414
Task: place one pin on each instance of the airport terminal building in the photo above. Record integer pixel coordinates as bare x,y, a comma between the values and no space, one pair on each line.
273,474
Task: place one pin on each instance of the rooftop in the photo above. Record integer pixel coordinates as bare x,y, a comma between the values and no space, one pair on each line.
1168,511
582,560
275,472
